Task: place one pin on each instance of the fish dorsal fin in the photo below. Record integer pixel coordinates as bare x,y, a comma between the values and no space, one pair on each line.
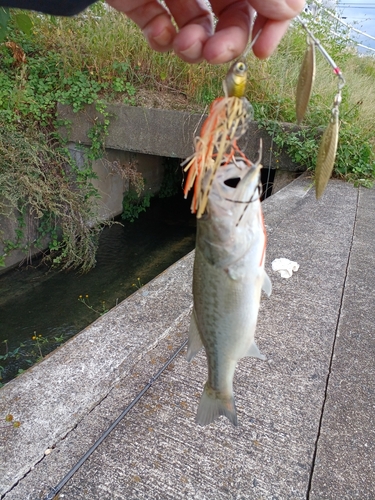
267,285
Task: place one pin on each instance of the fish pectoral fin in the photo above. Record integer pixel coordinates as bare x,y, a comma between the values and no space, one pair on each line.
195,342
212,405
267,285
254,352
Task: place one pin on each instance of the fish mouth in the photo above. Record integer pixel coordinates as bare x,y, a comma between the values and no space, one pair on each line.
235,187
232,182
246,184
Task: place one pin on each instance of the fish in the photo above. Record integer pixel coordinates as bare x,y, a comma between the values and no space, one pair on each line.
305,80
234,84
228,277
327,154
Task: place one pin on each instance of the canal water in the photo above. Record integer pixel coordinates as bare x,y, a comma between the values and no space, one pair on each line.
40,308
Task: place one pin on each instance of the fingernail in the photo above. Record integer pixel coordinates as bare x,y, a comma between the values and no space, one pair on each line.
164,38
193,53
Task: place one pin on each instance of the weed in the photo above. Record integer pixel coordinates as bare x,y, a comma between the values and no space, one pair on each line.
133,204
172,178
27,353
8,355
138,284
39,341
85,301
135,200
44,180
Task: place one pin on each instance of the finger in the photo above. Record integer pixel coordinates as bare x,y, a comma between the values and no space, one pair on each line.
192,17
278,10
270,36
196,25
231,34
153,19
186,12
189,43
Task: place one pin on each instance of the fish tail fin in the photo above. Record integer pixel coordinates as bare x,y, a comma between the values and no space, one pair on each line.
213,404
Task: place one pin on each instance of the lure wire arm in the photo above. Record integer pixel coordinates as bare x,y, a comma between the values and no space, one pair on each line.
328,58
250,45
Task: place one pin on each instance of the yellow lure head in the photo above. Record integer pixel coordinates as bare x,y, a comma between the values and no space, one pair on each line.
235,81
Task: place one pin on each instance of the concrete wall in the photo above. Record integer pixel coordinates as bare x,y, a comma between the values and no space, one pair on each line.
110,184
167,133
144,137
8,227
164,133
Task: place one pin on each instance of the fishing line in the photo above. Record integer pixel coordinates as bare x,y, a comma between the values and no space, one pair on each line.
55,490
247,202
337,99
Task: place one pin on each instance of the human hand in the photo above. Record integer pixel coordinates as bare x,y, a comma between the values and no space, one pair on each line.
196,39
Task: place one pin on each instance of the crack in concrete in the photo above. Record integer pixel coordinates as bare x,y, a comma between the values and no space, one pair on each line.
333,351
22,478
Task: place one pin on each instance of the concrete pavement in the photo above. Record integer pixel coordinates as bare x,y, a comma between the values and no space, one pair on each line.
306,416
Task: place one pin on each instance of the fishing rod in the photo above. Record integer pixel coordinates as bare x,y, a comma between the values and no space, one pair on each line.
56,489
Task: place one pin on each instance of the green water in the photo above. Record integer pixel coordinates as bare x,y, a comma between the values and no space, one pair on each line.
37,301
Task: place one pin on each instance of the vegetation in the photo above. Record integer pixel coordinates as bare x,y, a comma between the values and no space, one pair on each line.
101,56
355,159
15,361
35,176
136,199
86,302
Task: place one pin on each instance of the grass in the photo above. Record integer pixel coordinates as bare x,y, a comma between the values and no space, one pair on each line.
35,177
106,45
101,56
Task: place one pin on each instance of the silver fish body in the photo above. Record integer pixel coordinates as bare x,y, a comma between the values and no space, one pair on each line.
228,278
